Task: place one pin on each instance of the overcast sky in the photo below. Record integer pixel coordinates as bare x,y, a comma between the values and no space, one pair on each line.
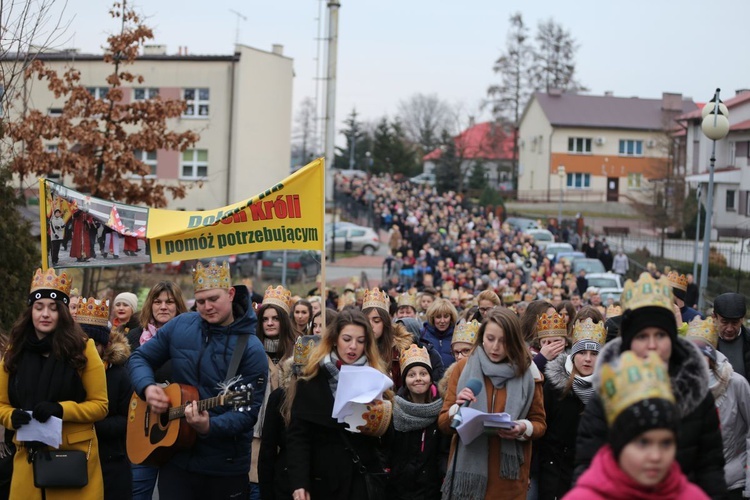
392,49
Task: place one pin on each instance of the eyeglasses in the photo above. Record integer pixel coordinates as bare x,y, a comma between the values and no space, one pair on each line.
462,353
483,310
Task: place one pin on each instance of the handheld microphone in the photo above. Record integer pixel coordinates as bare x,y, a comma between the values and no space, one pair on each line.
474,385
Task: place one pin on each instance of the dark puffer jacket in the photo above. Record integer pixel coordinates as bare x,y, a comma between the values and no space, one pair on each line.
699,446
200,354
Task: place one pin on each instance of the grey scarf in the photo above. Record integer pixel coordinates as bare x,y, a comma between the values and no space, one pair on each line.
582,386
331,363
472,463
408,416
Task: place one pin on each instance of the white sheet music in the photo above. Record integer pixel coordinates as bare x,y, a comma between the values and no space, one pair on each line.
49,432
358,384
475,421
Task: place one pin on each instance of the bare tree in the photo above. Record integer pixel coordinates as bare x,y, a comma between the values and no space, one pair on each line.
554,58
423,117
305,136
510,96
27,28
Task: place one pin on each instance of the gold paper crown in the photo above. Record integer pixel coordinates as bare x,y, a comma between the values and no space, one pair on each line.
407,299
678,280
414,354
75,293
211,276
551,325
647,292
52,282
588,330
466,331
613,311
278,296
633,380
93,312
703,329
303,346
376,298
359,293
509,298
377,418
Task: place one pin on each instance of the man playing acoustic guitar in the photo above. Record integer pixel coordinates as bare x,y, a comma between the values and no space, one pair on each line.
200,345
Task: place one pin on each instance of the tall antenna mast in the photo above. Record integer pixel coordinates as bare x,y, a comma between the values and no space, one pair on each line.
237,30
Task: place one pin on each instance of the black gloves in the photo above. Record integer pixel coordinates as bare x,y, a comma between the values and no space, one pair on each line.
46,409
19,418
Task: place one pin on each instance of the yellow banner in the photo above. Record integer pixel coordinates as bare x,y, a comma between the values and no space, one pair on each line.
91,232
288,216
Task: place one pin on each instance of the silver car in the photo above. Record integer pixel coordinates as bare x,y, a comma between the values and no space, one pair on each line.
354,239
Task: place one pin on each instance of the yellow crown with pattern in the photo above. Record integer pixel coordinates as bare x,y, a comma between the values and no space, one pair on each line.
613,310
303,346
509,298
647,292
374,419
278,296
703,329
466,331
678,280
588,330
49,285
93,312
376,298
211,276
551,325
633,380
407,299
414,354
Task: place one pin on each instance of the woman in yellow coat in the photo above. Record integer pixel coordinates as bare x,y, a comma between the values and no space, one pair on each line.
51,369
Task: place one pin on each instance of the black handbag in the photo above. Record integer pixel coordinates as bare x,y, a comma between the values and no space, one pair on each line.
376,483
61,468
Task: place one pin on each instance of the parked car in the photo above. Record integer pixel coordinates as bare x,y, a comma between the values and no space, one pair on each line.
569,256
246,264
605,280
521,223
300,265
425,178
354,239
542,237
553,249
590,265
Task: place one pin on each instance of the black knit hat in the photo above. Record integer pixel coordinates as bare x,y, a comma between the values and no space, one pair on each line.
99,334
640,417
635,320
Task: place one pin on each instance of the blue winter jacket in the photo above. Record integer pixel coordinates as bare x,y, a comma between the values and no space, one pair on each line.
441,342
200,354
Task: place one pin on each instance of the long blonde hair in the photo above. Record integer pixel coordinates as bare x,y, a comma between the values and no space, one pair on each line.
331,337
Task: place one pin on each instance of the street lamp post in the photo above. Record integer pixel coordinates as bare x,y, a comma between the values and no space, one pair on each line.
715,126
561,175
697,233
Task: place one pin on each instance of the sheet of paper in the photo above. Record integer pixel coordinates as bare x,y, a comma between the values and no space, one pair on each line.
49,432
474,422
358,384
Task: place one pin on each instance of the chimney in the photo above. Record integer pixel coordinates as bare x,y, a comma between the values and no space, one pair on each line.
671,101
555,92
277,49
608,93
472,121
154,50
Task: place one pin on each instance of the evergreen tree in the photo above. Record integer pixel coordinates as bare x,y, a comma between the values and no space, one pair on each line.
448,167
478,177
554,58
392,153
357,144
18,253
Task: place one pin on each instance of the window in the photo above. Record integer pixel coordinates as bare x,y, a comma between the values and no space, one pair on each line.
194,163
730,207
630,147
634,181
143,94
98,92
579,145
148,158
54,111
197,102
579,181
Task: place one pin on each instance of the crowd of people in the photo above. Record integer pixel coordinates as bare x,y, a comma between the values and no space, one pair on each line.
509,377
628,402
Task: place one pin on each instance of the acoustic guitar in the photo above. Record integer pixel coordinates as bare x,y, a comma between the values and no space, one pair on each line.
152,439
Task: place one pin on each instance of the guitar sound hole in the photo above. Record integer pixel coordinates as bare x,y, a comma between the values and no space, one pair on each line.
164,419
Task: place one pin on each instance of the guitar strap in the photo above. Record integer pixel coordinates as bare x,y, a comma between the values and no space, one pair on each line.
239,350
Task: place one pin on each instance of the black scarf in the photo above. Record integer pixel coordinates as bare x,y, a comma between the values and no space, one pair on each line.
41,378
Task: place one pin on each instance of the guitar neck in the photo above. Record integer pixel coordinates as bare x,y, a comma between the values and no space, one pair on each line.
205,404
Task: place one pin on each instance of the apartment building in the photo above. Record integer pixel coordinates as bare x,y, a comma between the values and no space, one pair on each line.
240,104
